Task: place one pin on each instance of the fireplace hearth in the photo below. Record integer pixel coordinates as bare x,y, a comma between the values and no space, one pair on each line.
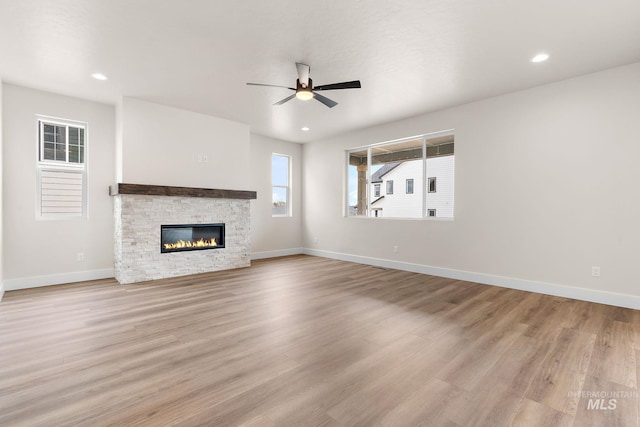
191,237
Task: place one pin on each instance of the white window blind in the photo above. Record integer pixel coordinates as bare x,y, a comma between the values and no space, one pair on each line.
61,193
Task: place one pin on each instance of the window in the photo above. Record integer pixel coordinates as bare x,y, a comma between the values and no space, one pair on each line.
425,163
409,189
432,184
431,212
280,185
61,169
390,187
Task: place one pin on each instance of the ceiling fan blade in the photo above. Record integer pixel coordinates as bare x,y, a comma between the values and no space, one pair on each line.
326,101
262,84
288,98
303,73
344,85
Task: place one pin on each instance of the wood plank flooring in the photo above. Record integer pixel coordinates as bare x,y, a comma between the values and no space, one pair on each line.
316,342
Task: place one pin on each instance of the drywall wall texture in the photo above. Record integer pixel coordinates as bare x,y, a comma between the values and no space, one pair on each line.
545,187
162,145
36,248
272,235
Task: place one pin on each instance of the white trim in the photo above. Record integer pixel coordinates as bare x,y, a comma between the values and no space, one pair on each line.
583,294
1,290
57,279
277,253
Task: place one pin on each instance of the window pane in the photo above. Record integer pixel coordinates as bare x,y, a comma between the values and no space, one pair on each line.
357,183
61,134
74,155
60,153
279,170
73,136
397,152
404,161
409,186
49,133
279,199
432,184
48,153
440,194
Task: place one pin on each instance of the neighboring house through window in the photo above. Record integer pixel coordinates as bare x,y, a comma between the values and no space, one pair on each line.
61,169
425,163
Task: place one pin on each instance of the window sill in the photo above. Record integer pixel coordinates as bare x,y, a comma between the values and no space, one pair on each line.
363,217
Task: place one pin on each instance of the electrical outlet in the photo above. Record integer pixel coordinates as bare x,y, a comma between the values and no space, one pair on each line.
80,257
595,271
315,241
395,249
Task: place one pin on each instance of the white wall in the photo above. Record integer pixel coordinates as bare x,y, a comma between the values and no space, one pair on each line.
545,188
45,252
1,181
443,169
168,146
271,236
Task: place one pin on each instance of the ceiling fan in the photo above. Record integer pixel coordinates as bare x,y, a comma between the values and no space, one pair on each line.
305,90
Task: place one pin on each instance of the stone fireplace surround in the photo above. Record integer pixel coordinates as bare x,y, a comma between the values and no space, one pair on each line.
139,212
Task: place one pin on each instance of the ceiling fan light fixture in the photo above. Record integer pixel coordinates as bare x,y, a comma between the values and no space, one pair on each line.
304,94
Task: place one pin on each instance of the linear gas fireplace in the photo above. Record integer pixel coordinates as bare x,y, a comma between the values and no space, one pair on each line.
191,237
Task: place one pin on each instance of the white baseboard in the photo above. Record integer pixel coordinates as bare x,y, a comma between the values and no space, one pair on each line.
274,254
56,279
602,297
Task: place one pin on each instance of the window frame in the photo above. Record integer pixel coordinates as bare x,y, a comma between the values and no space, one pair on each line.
376,190
388,185
406,189
287,187
435,184
368,148
43,165
44,120
429,211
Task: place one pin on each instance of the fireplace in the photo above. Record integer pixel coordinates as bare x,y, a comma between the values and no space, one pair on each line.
140,210
191,237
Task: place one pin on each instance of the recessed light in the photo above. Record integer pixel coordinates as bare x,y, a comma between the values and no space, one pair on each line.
99,76
541,57
305,129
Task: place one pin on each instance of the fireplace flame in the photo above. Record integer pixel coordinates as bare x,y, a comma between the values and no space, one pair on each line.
202,243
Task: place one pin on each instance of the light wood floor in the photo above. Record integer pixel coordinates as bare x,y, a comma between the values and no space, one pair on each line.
311,341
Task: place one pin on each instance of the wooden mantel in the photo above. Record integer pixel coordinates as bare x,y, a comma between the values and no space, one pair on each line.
164,190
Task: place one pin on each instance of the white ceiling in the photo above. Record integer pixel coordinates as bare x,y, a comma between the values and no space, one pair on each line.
412,56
